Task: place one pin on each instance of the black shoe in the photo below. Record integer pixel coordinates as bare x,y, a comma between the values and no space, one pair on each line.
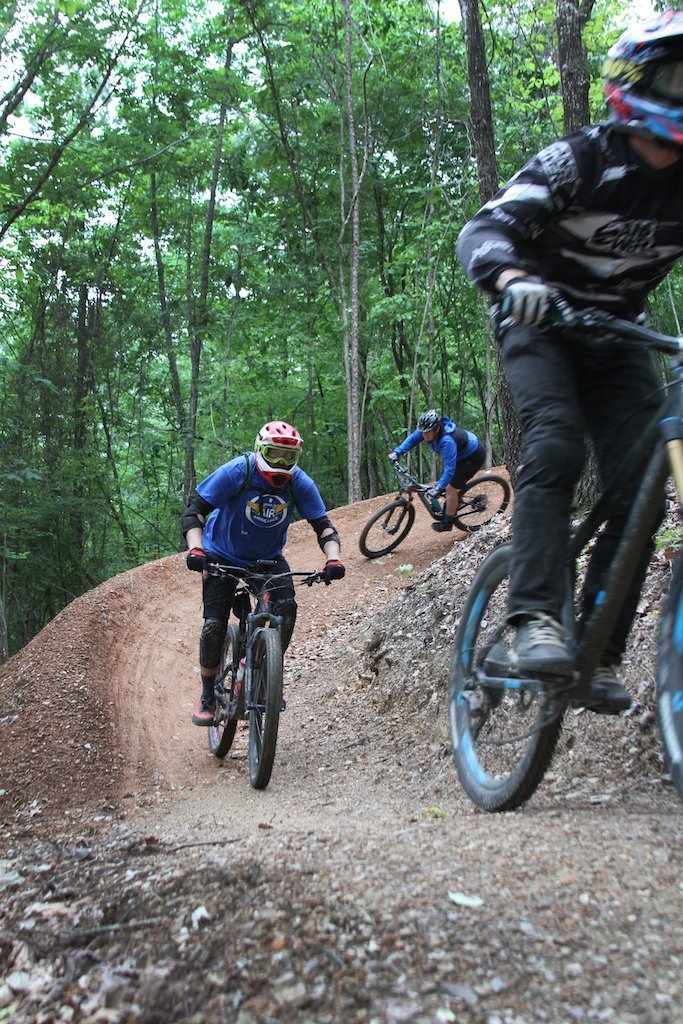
608,696
205,713
444,525
541,646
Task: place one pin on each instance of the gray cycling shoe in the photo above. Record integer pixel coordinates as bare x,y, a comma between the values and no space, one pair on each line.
444,525
608,696
540,646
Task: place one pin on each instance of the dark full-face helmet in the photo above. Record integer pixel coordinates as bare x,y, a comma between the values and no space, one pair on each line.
429,420
277,450
643,75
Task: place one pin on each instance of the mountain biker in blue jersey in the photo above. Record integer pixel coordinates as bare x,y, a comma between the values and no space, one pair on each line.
597,217
239,515
462,455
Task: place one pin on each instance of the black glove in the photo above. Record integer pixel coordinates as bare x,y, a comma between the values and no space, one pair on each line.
334,570
526,300
393,456
196,560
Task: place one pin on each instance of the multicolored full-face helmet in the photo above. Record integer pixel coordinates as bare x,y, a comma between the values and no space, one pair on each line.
429,420
643,75
277,450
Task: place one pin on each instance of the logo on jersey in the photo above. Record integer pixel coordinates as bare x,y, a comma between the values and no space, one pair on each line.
266,510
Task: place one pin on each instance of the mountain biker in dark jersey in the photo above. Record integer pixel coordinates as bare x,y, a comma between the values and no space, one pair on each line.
462,456
597,216
239,515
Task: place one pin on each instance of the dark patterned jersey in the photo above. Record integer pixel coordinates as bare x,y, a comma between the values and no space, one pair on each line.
588,216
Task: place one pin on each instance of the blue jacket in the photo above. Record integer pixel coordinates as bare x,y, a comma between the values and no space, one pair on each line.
454,443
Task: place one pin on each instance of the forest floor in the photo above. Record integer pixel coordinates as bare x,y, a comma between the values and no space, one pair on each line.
142,881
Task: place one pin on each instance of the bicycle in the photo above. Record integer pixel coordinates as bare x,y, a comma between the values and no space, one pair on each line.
505,727
255,644
482,498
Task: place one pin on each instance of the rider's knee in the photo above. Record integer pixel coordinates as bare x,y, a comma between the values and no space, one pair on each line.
553,458
211,642
287,608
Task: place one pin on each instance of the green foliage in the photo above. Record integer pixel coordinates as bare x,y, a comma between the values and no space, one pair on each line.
146,331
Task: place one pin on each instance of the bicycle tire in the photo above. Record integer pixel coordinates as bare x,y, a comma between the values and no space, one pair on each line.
503,739
670,678
393,520
264,717
486,496
222,733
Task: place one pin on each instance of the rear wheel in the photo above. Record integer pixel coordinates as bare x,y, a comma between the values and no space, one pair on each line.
503,737
264,715
222,732
482,498
387,528
670,677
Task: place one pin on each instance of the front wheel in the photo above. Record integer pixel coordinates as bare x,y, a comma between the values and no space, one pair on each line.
670,677
222,732
387,528
482,498
504,730
264,710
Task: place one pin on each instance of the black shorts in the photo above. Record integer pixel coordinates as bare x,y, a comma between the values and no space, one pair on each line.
466,468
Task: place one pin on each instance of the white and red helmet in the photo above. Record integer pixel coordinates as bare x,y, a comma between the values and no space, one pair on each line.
277,450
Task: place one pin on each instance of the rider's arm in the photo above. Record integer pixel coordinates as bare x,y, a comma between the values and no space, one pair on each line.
493,246
193,519
448,450
328,538
410,442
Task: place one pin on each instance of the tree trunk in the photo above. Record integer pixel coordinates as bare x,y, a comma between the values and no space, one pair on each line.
571,18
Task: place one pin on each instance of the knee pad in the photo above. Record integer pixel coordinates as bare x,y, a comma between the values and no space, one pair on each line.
287,609
211,642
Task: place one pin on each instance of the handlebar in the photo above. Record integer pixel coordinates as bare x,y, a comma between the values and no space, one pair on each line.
415,484
605,327
245,574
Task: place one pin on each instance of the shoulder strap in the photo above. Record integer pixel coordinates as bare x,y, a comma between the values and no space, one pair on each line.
247,472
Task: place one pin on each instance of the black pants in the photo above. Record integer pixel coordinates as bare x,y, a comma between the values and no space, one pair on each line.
561,389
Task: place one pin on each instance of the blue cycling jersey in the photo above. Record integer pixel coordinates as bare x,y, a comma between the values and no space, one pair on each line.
454,442
250,523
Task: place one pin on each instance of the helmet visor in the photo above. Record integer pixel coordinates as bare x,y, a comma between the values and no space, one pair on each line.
280,458
667,82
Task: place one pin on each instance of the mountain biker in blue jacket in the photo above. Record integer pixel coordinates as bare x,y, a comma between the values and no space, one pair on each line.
462,455
239,515
598,217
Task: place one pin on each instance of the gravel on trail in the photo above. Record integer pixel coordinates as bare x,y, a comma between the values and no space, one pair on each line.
142,881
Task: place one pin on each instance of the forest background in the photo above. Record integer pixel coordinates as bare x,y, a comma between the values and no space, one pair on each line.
217,213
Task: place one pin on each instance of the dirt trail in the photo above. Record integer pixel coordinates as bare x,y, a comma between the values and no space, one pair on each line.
360,886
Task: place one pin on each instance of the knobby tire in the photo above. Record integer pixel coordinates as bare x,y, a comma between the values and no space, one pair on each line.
387,528
503,739
670,677
267,673
485,496
222,732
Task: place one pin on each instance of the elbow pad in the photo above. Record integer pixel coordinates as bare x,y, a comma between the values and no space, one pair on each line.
320,525
196,508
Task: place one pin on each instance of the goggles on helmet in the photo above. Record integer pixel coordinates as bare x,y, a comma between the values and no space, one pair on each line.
279,458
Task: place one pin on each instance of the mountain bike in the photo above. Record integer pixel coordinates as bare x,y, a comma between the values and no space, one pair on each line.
250,672
505,726
481,498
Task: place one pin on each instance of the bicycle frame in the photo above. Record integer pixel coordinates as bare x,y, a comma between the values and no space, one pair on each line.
412,486
257,585
658,454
